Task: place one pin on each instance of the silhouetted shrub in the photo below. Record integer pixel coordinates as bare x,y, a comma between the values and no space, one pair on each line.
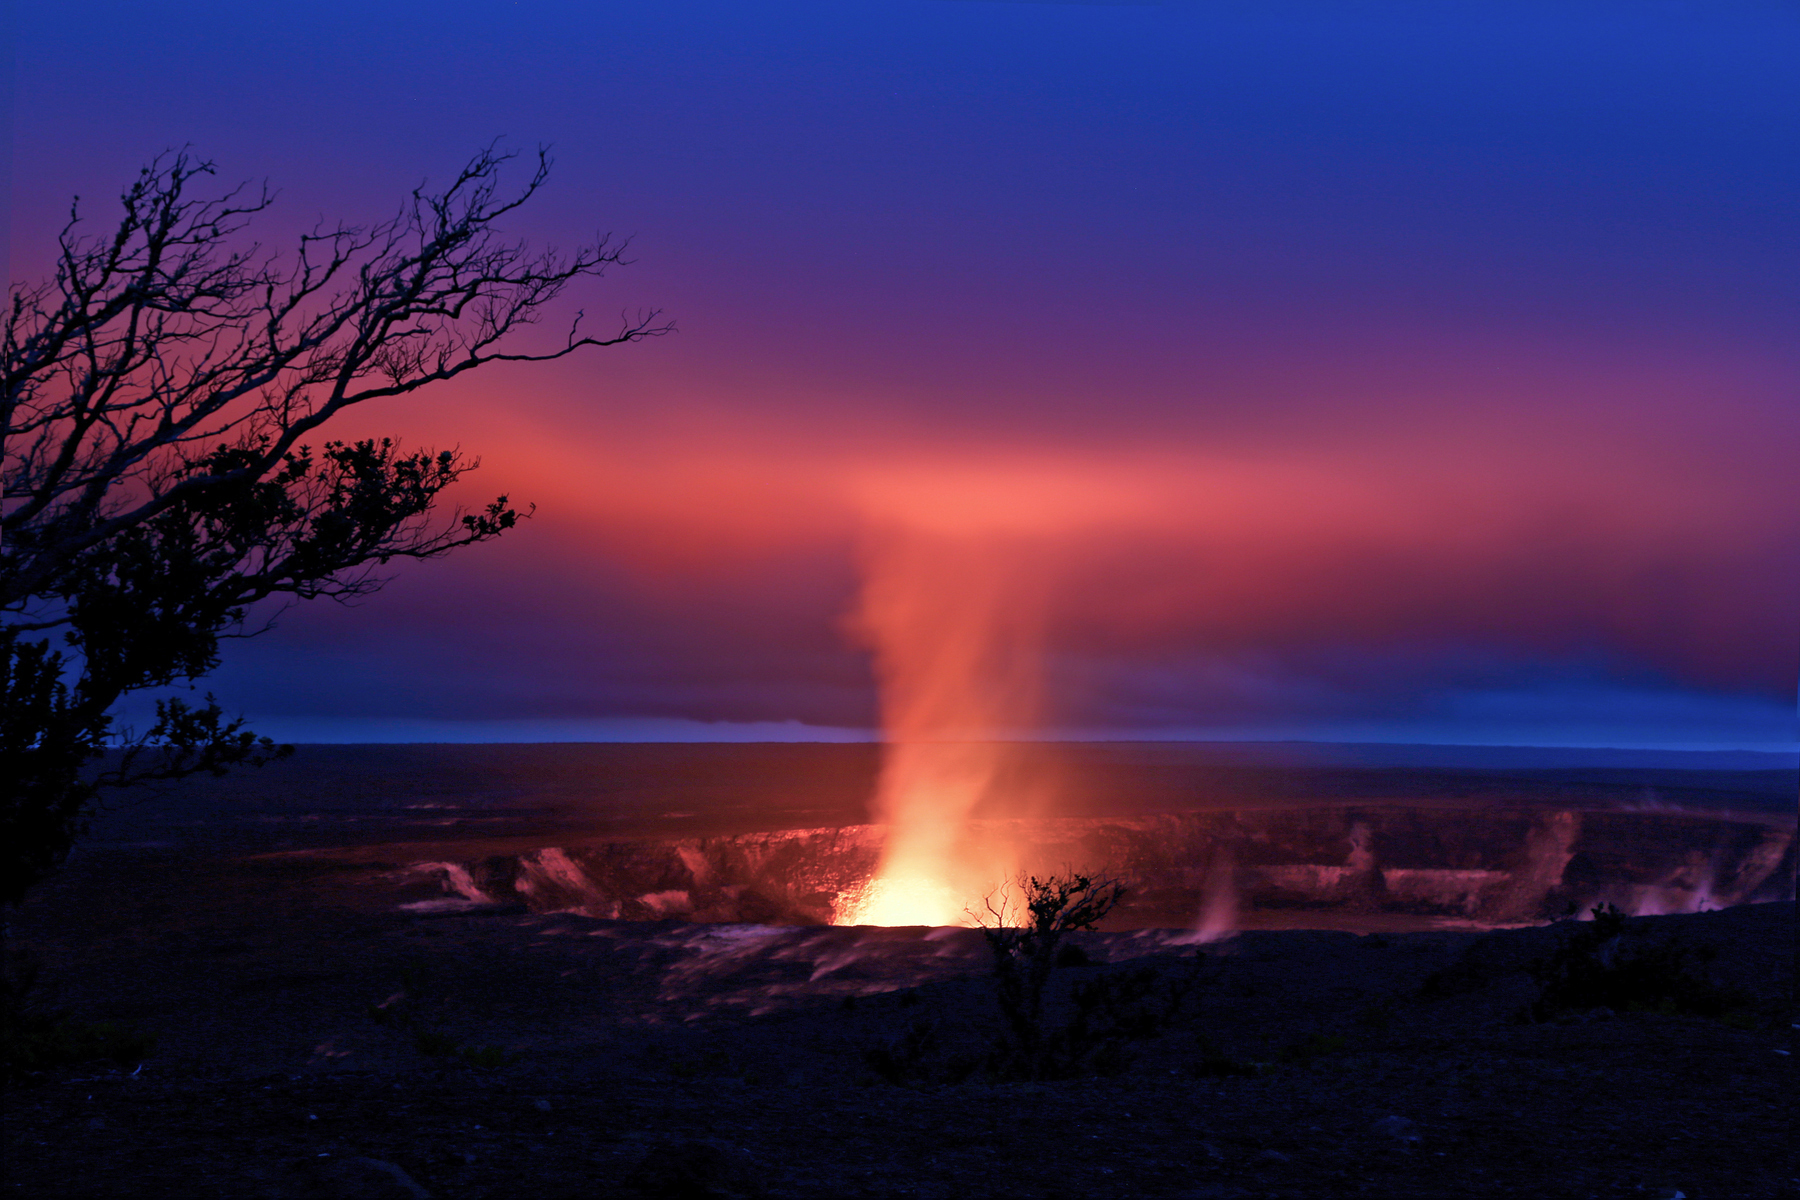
1307,1051
1106,1012
34,1040
1596,967
917,1057
1024,956
1212,1063
1463,975
484,1057
406,1010
1101,1013
433,1043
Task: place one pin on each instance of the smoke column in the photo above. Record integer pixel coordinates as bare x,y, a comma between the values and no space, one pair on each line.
956,622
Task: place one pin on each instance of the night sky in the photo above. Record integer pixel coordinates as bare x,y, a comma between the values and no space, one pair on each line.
1404,372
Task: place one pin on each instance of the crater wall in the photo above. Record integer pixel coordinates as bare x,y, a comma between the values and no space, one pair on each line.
1219,868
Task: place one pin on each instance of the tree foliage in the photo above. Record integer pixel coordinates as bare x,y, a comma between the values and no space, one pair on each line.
160,402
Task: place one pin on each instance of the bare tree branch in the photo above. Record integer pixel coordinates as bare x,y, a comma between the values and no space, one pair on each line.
158,397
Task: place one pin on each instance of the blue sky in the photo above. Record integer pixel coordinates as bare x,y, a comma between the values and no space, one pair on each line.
1394,372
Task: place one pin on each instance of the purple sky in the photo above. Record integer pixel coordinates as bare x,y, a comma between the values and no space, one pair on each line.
1395,372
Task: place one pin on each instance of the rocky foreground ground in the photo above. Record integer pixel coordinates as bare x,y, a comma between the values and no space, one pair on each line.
308,1043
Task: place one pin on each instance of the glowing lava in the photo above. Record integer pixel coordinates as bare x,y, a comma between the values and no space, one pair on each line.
907,900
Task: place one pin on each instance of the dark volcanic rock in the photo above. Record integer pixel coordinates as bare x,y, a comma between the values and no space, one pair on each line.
560,1054
695,1170
356,1178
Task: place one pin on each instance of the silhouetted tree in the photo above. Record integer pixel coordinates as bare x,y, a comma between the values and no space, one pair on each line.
1024,947
159,393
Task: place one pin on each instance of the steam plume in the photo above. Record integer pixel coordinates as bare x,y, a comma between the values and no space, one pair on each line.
956,621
